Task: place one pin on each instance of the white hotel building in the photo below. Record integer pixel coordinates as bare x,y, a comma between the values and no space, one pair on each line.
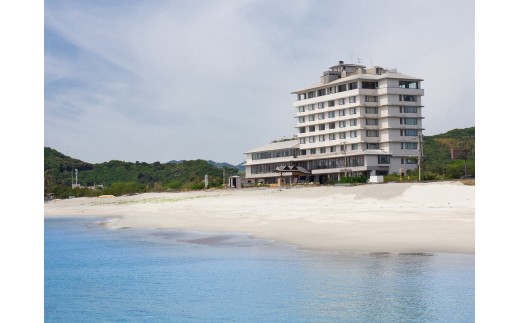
355,121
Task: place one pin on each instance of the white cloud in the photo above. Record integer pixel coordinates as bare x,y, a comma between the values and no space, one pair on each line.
198,79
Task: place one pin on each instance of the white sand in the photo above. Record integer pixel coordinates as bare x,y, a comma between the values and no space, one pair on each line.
394,217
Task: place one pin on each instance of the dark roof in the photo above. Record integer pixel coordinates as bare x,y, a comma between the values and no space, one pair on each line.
294,170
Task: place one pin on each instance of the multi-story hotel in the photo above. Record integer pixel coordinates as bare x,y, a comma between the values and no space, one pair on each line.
355,121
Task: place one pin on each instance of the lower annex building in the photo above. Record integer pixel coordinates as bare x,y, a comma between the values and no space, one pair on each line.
355,121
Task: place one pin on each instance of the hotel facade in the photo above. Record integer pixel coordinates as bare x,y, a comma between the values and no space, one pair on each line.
355,121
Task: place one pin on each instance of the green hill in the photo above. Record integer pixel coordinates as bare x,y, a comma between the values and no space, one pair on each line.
437,153
119,177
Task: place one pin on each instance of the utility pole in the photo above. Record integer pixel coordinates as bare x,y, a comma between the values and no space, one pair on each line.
224,176
420,155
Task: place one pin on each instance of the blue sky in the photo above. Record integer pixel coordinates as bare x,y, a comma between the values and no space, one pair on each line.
163,80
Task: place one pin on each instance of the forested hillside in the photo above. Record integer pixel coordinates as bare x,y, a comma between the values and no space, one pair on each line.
437,156
119,177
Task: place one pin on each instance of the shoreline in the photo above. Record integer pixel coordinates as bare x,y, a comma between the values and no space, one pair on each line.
373,218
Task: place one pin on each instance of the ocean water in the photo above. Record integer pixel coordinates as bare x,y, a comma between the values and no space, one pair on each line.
93,274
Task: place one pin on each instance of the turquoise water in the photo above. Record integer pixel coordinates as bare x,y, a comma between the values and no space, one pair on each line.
97,275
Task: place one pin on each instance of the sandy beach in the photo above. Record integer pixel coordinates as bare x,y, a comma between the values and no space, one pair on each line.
392,217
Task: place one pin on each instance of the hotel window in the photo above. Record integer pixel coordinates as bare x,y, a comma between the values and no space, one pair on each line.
353,133
352,86
372,146
321,116
331,90
313,151
353,122
342,88
310,107
407,109
274,154
303,152
312,139
410,109
323,150
407,161
342,124
302,129
332,125
372,133
332,136
369,85
408,84
410,121
342,135
301,119
311,94
321,127
302,140
383,159
301,109
333,149
312,128
342,148
341,101
371,110
370,98
371,122
311,117
342,112
331,103
408,98
410,132
321,105
351,99
321,92
354,147
321,138
352,111
408,145
331,114
355,161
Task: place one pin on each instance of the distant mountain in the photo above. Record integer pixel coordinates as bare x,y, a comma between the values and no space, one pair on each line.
227,165
241,166
176,161
214,163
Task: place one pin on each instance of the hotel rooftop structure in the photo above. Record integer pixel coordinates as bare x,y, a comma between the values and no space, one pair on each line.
355,121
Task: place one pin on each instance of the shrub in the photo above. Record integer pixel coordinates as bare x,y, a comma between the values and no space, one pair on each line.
174,185
356,179
197,186
394,178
